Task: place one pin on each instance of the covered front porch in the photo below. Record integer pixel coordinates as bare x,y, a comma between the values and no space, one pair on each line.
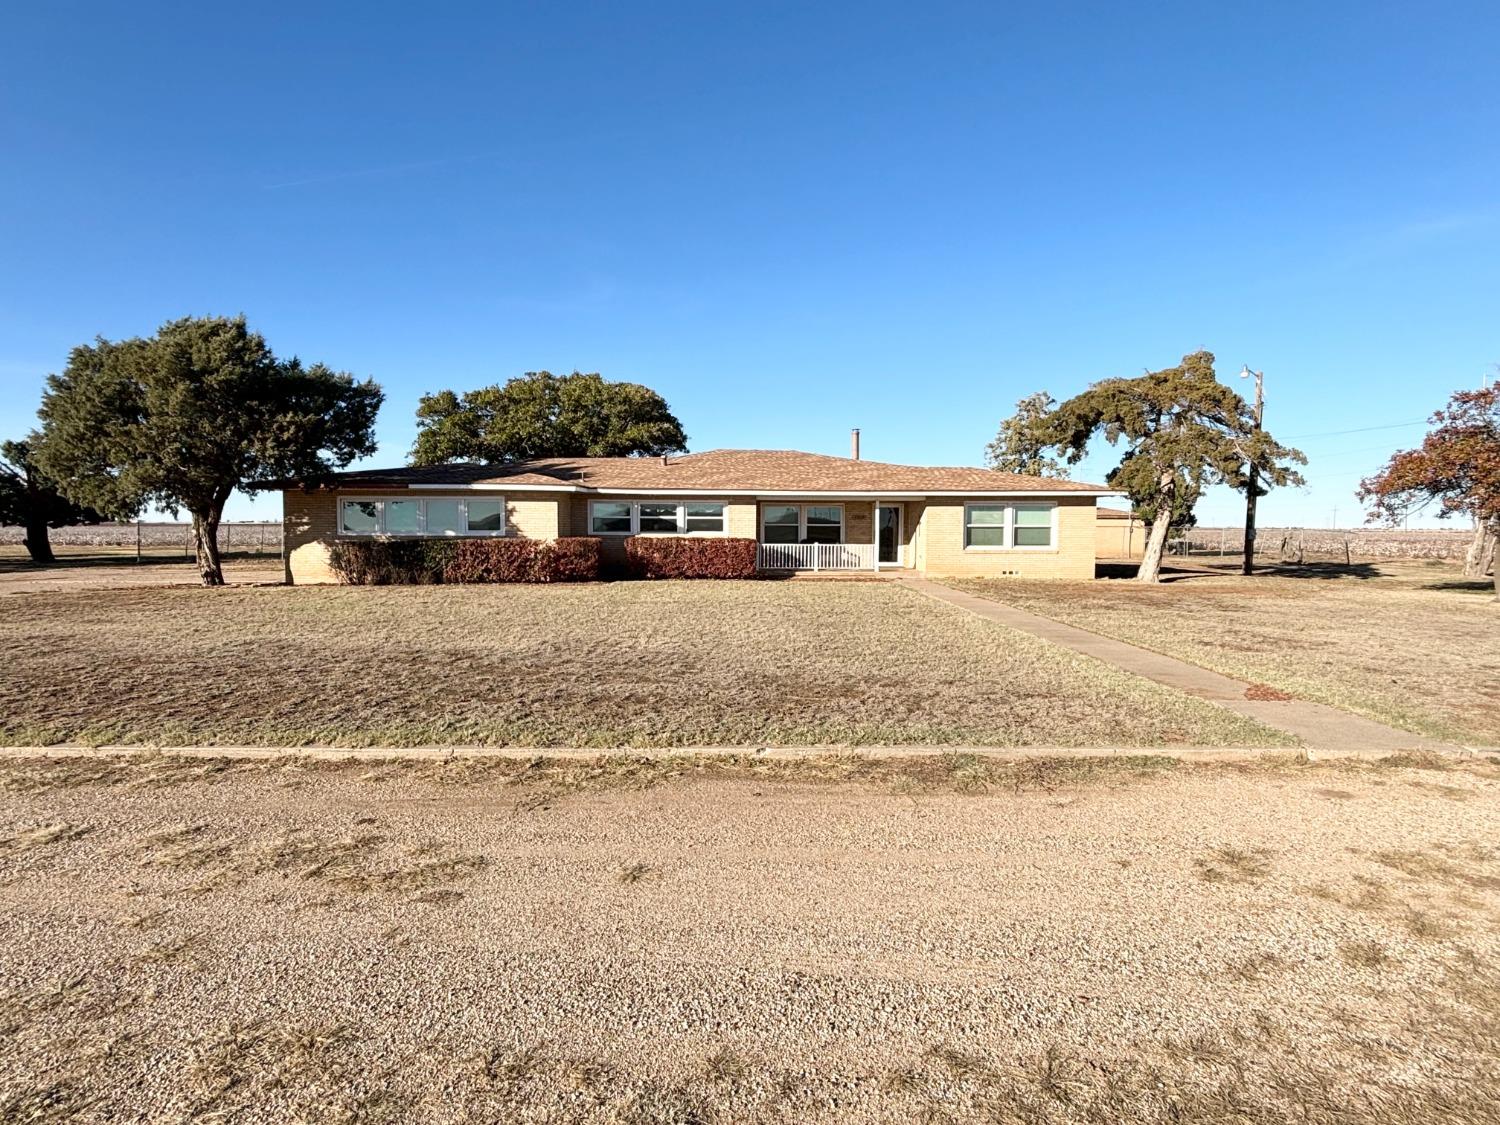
822,534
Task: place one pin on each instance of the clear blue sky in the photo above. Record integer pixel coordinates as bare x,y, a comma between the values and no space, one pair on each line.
790,219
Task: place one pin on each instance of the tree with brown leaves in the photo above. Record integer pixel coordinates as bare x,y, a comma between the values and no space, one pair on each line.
1457,467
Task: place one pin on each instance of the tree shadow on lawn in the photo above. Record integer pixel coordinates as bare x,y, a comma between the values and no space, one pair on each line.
1175,573
15,564
1463,586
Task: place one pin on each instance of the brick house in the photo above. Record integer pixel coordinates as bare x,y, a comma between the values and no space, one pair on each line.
807,511
1121,534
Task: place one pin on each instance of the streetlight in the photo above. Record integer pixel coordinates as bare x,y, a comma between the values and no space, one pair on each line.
1248,566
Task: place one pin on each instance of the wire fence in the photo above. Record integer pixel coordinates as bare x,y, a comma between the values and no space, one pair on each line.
1346,544
259,538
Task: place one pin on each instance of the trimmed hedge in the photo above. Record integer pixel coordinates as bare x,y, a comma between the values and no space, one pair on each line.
680,557
390,562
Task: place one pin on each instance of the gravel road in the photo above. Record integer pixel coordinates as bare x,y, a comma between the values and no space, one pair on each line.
409,942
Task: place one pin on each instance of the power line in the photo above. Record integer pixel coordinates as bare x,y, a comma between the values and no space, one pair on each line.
1361,430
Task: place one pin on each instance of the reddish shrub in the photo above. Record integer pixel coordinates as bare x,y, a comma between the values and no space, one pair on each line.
493,560
573,559
523,560
680,557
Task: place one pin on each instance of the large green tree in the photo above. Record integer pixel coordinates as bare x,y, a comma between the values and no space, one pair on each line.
181,419
1183,431
545,415
1021,444
28,499
1457,467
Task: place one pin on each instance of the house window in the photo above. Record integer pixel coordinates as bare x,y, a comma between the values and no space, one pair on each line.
656,517
402,517
606,517
781,523
660,518
445,517
1033,525
485,515
802,523
704,519
360,517
431,517
823,524
1007,526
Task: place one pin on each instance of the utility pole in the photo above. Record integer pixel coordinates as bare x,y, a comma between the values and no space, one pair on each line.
1260,416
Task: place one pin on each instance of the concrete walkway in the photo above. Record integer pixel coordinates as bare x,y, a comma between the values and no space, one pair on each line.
1317,725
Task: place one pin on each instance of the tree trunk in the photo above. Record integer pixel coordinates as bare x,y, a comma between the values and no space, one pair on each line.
38,545
206,543
1494,526
1479,552
1161,527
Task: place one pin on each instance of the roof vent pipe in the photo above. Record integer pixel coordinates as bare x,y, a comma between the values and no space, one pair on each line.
854,443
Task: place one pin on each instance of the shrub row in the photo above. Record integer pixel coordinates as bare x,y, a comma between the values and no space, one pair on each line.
690,558
392,562
395,562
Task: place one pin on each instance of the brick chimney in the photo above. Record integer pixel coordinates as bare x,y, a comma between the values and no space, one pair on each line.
854,443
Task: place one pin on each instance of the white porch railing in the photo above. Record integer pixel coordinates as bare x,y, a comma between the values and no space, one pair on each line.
816,556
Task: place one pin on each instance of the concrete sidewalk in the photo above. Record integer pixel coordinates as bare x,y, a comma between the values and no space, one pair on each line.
1317,725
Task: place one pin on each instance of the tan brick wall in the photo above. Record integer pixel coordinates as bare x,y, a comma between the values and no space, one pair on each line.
534,517
1119,539
941,549
310,523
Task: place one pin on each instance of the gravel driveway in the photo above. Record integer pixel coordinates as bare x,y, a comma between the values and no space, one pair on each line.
412,941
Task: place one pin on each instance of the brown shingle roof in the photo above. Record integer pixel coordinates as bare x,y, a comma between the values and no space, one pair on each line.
1104,513
718,470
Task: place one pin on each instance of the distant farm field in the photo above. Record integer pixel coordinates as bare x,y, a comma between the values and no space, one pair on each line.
1412,644
622,664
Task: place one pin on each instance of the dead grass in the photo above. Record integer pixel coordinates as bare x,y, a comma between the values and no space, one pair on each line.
353,864
1227,864
1365,953
1255,967
542,781
41,836
612,665
635,872
1403,643
233,1065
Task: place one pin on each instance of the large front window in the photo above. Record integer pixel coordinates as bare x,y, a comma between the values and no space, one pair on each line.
1006,526
429,516
802,523
656,517
781,523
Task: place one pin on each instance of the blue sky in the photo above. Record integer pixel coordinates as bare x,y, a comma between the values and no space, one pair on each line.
790,219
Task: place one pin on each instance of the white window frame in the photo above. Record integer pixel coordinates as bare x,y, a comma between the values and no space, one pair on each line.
682,528
802,520
1010,524
422,532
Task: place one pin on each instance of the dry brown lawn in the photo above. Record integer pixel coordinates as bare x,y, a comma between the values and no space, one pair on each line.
1410,644
602,665
102,568
946,939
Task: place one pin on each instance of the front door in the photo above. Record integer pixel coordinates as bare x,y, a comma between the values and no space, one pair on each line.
888,534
